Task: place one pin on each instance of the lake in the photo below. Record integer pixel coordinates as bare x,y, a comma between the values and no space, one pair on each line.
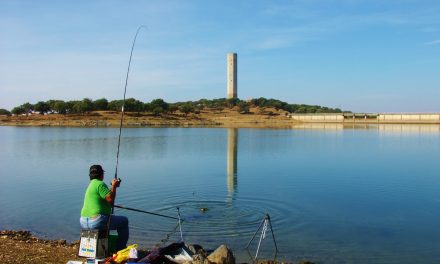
334,194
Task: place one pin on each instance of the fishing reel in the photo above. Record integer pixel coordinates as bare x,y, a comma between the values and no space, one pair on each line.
118,180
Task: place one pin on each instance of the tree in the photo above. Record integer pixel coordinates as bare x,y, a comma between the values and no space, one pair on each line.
233,102
147,107
42,107
172,108
27,108
243,108
133,105
260,102
84,106
19,110
101,104
186,108
70,107
4,112
157,110
301,110
115,105
60,107
159,103
88,105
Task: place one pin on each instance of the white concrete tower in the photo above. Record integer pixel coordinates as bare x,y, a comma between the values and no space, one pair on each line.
232,75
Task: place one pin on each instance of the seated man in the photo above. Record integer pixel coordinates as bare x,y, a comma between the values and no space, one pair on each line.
96,210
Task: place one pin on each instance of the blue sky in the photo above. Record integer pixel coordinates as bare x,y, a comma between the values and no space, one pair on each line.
359,55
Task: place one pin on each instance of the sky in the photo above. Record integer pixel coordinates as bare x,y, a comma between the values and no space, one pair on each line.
359,55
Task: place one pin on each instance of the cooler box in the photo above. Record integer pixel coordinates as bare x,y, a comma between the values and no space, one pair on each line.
93,243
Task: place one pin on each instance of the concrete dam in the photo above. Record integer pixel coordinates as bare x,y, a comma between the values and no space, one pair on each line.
367,118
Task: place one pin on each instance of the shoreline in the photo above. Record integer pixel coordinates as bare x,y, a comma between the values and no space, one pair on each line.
21,247
271,118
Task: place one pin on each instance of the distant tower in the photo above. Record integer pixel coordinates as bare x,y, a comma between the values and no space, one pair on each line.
232,75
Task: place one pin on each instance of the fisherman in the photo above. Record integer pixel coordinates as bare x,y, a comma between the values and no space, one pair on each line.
96,210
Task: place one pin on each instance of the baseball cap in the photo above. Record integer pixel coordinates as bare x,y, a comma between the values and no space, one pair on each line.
96,170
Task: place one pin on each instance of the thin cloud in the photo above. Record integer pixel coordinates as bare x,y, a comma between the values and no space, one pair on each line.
434,42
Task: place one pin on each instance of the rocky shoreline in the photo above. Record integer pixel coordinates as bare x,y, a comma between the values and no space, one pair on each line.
21,247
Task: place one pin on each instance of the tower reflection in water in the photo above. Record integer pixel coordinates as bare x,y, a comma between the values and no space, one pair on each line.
231,166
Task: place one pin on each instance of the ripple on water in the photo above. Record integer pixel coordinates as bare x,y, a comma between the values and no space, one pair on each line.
232,219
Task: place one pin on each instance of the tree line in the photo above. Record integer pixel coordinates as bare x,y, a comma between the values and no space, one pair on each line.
159,106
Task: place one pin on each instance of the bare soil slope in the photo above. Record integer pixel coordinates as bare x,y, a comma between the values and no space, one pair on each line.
257,117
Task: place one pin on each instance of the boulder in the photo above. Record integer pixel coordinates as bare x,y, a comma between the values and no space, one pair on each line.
222,255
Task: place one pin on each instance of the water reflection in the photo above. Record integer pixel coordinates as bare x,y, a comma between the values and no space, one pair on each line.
231,161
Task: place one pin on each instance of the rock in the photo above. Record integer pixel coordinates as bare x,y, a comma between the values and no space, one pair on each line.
222,255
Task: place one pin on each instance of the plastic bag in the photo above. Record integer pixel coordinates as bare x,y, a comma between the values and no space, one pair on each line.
123,254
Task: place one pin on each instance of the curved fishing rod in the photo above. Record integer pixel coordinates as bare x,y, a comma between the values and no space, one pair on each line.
123,101
120,126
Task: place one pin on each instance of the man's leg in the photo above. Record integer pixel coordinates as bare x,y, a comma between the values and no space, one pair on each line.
120,223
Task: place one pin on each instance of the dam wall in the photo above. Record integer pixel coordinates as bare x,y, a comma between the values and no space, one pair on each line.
368,118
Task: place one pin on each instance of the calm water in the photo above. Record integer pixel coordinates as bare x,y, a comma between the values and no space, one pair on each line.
334,194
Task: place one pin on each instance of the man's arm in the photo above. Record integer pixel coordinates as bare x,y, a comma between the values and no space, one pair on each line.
110,198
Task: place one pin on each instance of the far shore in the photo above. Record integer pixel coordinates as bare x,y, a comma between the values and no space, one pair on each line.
269,118
226,118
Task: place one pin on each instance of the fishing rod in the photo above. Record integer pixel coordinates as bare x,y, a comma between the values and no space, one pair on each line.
146,212
120,128
123,101
123,104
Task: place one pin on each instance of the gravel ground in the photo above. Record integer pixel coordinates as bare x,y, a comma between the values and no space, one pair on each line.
21,247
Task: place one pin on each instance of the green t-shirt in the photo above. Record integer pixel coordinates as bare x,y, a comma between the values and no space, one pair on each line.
94,199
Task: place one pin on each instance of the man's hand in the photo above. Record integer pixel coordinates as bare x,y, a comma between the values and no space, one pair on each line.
116,182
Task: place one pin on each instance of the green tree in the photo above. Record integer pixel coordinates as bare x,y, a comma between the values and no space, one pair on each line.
133,105
173,108
42,107
18,110
27,107
301,110
101,104
70,107
60,107
186,108
4,112
81,107
159,103
233,102
259,102
115,105
147,107
243,108
157,110
88,105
